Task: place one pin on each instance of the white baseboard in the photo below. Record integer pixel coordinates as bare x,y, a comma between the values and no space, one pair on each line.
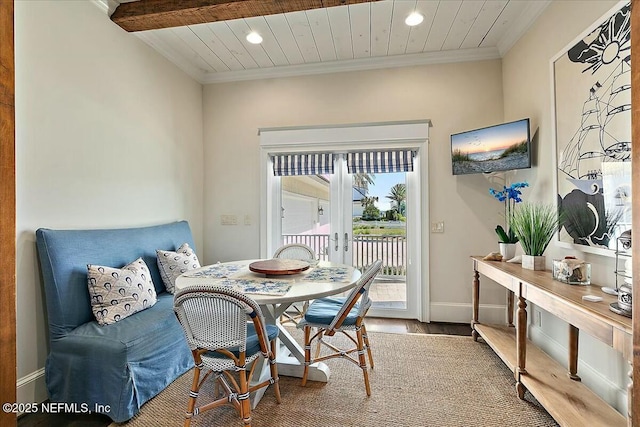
462,313
32,388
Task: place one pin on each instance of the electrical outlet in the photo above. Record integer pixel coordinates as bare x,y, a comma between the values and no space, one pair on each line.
229,219
247,220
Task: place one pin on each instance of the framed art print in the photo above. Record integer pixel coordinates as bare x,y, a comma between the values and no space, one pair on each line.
592,113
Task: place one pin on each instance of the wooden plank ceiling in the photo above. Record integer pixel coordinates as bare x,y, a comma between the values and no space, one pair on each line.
207,39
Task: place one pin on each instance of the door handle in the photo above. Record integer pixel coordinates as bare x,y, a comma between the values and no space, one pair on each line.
337,244
346,242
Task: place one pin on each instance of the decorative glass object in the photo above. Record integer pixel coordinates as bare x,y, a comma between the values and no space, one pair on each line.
572,271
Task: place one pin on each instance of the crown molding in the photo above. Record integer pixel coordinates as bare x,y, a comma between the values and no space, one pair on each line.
102,5
521,25
176,58
427,58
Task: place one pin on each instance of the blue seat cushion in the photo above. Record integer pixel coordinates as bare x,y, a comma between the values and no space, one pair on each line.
323,310
253,344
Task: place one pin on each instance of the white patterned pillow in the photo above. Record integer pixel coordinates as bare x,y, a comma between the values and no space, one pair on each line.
172,264
117,293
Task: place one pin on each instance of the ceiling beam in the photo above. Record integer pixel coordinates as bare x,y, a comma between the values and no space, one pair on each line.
155,14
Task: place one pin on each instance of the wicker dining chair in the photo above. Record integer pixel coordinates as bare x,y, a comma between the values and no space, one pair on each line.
295,251
326,316
226,332
300,252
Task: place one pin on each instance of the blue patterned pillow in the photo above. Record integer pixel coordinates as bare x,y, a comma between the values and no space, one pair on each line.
172,264
117,293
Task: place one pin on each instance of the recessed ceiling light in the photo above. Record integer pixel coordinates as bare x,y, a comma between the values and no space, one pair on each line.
414,19
254,38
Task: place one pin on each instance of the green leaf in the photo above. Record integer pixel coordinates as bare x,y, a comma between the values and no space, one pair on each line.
535,225
504,237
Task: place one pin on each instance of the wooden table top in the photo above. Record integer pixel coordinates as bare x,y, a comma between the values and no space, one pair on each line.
543,280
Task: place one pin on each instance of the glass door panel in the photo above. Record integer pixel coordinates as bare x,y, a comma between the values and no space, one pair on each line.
305,212
380,232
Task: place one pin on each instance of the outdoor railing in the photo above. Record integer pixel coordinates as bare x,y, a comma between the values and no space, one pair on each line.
318,242
391,249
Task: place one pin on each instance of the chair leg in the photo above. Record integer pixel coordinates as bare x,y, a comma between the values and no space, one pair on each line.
307,354
274,370
243,399
319,344
363,360
367,345
193,395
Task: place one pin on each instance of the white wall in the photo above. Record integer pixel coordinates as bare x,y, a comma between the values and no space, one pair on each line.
527,93
108,134
455,97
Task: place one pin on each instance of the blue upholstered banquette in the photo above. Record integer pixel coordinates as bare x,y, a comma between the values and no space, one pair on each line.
115,368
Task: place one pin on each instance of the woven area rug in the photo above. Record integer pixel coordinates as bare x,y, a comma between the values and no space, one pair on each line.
418,380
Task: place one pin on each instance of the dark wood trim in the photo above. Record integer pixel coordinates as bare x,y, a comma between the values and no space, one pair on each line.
154,14
634,389
7,214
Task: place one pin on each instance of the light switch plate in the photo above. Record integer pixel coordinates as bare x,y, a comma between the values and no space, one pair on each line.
437,227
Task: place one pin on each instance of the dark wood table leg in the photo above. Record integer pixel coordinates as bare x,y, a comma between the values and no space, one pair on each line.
475,301
521,343
573,352
510,295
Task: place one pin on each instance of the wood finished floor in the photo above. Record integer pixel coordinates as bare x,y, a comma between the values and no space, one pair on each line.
398,326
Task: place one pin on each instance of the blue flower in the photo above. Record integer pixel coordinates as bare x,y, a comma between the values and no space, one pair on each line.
509,196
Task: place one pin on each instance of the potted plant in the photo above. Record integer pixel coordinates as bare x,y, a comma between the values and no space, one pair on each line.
534,225
509,196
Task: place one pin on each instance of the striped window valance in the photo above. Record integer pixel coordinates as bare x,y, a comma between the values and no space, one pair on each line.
380,161
302,164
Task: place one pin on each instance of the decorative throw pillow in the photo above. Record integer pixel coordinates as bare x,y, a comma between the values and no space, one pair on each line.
172,264
117,293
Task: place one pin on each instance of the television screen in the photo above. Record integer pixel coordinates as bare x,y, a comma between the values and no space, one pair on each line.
495,148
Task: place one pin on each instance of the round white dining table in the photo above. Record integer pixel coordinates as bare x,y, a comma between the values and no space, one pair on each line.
275,294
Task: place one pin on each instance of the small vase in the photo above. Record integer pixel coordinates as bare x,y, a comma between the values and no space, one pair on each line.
531,262
507,250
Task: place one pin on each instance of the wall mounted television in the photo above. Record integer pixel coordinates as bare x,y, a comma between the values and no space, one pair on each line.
502,147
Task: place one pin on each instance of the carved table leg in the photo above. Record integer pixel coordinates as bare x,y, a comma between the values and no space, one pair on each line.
573,353
475,301
510,308
521,343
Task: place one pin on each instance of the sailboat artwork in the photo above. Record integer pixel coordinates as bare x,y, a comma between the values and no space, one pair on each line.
593,134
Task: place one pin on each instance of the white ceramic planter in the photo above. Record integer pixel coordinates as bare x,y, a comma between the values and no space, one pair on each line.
531,262
507,250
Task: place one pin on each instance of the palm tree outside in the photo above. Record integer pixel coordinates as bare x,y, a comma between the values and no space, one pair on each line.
363,180
398,195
